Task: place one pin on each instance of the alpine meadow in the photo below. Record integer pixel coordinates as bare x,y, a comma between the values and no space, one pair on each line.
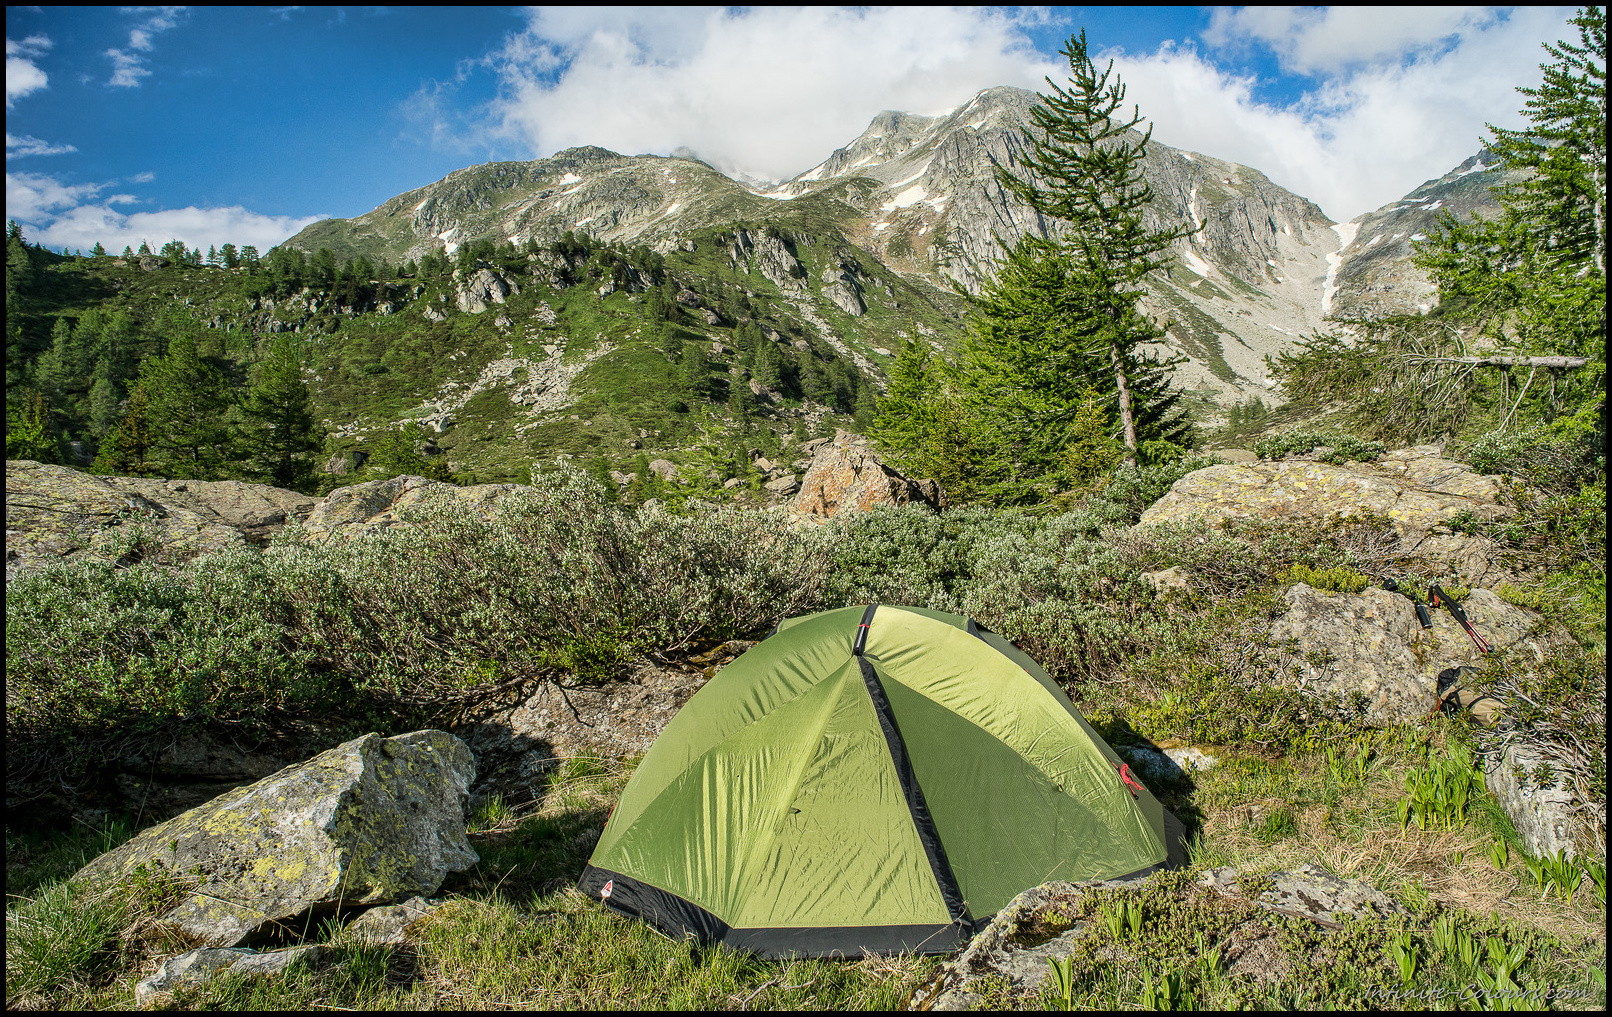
1014,563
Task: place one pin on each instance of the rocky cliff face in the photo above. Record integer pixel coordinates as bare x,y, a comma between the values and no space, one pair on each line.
918,196
1373,275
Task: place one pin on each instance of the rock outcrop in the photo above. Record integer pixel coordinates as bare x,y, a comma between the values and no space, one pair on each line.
371,821
1369,647
1012,951
1548,816
846,477
483,288
1416,489
514,745
54,512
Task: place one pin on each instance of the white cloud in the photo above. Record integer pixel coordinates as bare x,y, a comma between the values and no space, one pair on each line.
1399,95
69,215
82,227
128,65
1363,137
1328,39
764,91
29,145
35,198
22,74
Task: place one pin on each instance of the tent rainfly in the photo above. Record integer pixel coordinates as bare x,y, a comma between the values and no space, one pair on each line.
874,786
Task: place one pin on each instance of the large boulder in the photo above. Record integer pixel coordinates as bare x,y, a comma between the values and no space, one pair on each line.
483,288
1371,645
1416,489
371,821
846,477
54,512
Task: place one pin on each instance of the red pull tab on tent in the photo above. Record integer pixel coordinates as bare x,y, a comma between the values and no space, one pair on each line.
1130,782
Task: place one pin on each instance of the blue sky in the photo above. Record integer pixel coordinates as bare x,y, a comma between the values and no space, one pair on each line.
229,124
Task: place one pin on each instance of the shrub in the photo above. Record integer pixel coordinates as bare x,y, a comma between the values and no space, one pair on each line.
1337,579
1302,442
1134,489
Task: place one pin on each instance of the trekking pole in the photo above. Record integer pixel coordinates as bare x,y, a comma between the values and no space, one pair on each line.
1442,599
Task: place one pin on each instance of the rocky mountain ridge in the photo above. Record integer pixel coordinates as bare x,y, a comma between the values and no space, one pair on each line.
1372,274
917,196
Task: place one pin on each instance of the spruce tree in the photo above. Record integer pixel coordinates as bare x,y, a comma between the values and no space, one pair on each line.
127,448
1535,276
1063,313
188,400
281,436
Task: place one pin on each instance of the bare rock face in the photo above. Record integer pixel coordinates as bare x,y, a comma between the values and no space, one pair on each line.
53,512
371,821
1311,892
779,264
1549,816
1370,645
483,289
1416,489
846,477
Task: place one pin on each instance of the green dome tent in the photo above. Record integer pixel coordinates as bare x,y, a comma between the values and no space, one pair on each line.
868,780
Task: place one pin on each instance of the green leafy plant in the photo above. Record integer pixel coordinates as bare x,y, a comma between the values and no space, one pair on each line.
1499,987
1168,993
1597,873
1063,981
1438,793
1499,854
1446,937
1402,948
1555,872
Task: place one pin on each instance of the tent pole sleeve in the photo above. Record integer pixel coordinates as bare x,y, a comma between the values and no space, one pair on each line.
862,630
928,835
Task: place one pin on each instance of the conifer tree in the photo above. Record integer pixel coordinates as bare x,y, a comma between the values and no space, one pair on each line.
1063,313
281,436
1536,274
127,448
187,404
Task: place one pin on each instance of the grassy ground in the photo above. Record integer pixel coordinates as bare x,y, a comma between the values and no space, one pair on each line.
513,934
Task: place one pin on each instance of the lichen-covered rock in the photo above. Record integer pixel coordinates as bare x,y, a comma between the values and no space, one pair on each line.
1308,891
194,968
389,925
1416,489
845,477
1370,646
997,950
371,821
54,512
1548,816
